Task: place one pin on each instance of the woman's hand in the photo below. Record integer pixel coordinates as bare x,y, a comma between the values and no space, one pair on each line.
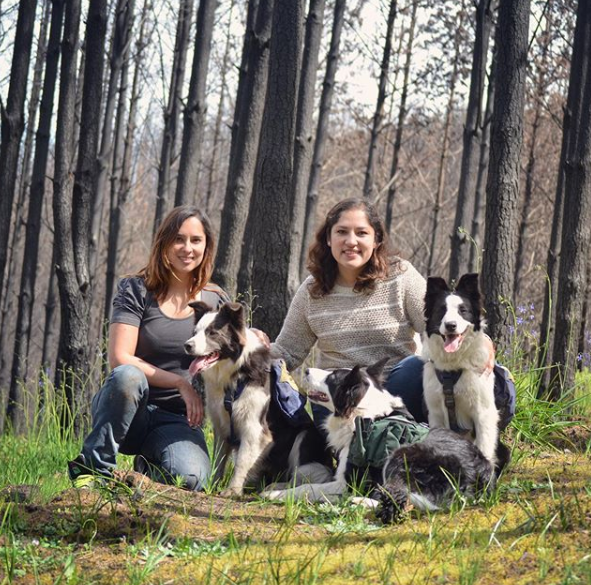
192,402
490,364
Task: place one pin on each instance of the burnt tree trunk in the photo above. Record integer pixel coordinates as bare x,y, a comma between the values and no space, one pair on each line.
471,141
304,141
274,170
328,84
502,189
13,122
194,116
37,193
376,126
246,130
172,111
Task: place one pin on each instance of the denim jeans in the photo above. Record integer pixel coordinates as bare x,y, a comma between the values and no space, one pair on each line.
123,421
404,380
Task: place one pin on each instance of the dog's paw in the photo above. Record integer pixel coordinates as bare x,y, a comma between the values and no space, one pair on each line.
274,495
368,503
231,492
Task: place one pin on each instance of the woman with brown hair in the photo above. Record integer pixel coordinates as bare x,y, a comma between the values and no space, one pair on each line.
148,406
360,303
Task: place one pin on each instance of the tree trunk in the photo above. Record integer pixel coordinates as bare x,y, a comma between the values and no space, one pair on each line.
248,117
173,109
37,194
274,170
376,127
445,145
72,233
401,119
194,117
472,139
502,189
304,139
119,55
322,130
570,129
13,122
576,227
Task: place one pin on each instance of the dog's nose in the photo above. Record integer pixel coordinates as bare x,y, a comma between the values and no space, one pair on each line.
307,371
451,326
187,348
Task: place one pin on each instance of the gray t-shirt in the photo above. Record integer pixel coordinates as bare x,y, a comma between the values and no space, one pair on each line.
161,339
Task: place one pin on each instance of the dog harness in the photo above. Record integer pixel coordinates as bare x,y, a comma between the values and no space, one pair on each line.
448,380
284,393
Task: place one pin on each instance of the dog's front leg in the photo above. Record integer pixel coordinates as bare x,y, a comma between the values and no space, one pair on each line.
253,443
487,433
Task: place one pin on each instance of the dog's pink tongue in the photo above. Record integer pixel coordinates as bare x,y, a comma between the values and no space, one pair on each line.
451,343
202,362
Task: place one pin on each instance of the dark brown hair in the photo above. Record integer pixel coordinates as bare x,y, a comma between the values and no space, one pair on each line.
157,273
324,268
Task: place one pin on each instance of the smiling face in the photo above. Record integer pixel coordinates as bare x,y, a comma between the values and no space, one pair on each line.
352,241
185,254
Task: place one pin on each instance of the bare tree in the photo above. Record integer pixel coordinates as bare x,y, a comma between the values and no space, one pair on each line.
29,272
13,121
502,190
274,170
304,138
173,110
376,127
194,116
322,129
248,117
472,139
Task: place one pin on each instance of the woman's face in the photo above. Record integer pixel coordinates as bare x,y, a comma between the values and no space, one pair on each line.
185,254
352,241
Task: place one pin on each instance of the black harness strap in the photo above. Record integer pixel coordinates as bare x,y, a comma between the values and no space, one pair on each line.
230,395
448,380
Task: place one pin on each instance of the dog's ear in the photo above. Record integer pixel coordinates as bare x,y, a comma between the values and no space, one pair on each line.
233,313
468,287
200,309
376,371
435,286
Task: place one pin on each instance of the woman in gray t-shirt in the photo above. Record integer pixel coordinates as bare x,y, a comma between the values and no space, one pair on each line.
148,406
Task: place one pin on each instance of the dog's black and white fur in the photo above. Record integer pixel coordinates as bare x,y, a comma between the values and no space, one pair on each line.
347,394
228,354
455,341
424,474
427,474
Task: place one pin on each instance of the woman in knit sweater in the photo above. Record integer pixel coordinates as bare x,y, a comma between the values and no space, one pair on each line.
360,304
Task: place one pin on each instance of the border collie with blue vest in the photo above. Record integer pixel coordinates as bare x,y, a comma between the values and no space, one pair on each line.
251,403
459,394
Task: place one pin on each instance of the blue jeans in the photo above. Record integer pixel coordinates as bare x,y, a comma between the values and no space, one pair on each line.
123,421
405,380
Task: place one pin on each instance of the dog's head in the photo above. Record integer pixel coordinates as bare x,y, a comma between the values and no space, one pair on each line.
453,313
219,335
342,390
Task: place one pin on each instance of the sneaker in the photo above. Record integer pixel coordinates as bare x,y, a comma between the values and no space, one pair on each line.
82,475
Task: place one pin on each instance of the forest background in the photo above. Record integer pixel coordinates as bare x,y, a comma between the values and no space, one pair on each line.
466,123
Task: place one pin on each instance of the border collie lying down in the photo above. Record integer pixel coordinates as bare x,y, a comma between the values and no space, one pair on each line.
458,395
236,369
412,473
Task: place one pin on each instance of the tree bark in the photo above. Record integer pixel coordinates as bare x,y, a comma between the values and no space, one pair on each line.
322,130
304,139
172,112
29,271
471,139
576,226
376,127
502,190
248,117
401,120
274,171
13,122
194,117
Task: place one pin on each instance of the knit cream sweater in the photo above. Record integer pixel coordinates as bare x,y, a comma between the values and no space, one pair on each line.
351,328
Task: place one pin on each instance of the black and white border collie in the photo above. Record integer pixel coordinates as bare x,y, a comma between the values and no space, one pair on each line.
425,474
455,342
347,394
228,355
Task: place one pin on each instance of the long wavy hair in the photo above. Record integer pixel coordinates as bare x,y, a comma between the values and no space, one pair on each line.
158,272
324,268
